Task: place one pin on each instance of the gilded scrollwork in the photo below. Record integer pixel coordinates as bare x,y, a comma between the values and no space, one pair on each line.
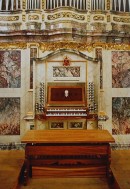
66,15
66,45
16,45
121,19
98,17
33,17
114,46
82,46
9,18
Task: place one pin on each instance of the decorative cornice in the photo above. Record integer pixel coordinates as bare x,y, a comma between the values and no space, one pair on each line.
18,45
53,46
69,51
82,46
65,45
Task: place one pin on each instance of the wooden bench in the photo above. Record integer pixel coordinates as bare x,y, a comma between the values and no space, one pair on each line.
67,153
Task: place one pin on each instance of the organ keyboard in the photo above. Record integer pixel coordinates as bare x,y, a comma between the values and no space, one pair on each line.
66,112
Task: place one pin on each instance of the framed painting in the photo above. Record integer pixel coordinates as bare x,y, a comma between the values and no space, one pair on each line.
66,95
76,124
56,125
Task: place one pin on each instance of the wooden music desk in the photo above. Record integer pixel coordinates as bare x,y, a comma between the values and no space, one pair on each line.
67,153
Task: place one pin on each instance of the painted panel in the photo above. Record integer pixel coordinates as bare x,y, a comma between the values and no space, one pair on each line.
9,116
10,69
120,69
59,71
120,115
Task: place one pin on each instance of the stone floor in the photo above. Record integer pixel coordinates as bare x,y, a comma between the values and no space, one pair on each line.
67,183
11,162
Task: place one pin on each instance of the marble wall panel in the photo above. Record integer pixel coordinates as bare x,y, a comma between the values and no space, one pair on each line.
120,69
120,115
10,116
10,69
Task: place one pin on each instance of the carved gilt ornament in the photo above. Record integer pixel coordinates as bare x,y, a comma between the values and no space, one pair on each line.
98,17
9,18
33,17
66,15
66,45
19,45
121,19
82,46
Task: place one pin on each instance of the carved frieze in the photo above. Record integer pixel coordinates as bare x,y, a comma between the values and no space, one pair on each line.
68,45
83,46
114,46
33,17
13,45
121,19
98,17
9,18
66,15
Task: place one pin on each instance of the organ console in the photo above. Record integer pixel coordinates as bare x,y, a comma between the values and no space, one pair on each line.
67,102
